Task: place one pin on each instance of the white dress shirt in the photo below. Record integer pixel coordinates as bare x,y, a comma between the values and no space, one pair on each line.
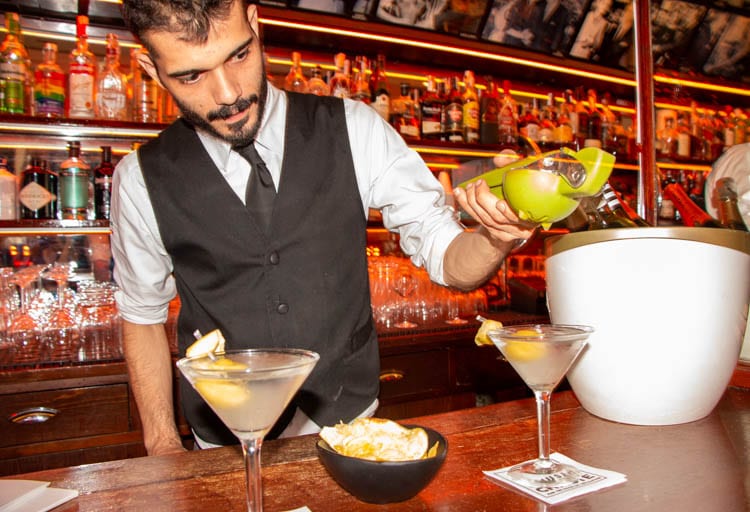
391,178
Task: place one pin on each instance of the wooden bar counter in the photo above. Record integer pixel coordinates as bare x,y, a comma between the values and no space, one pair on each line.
698,466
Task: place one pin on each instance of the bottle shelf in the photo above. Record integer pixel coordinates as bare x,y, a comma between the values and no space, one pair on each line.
53,227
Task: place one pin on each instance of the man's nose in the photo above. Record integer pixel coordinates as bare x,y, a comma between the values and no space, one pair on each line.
226,89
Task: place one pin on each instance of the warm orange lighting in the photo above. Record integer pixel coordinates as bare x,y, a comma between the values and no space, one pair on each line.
684,167
741,91
77,131
455,152
448,49
52,147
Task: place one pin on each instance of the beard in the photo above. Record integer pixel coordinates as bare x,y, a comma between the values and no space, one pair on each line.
240,134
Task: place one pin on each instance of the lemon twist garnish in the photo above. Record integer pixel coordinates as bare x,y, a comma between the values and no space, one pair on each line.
481,337
222,394
208,345
522,351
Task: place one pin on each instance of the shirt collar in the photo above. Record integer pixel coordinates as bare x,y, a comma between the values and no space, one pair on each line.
270,135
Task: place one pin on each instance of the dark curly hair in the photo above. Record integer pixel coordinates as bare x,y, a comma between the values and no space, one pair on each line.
190,18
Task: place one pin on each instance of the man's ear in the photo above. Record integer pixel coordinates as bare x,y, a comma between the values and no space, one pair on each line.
252,17
145,61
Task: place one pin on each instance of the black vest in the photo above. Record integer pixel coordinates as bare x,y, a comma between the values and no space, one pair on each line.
304,284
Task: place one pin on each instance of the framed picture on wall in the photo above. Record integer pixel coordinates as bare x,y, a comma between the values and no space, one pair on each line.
705,37
606,34
728,58
459,17
546,26
673,23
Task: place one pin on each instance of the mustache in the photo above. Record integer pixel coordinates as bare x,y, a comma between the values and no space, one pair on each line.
227,111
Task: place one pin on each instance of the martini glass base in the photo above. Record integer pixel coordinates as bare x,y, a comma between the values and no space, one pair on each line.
543,472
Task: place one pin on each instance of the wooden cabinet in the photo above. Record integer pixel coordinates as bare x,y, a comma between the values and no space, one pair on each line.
69,415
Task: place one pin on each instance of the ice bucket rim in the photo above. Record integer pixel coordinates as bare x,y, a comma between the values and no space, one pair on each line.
729,238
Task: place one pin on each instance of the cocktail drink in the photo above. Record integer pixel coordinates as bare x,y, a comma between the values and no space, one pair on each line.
248,390
542,355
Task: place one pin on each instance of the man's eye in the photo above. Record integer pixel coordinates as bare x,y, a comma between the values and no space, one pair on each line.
190,79
242,55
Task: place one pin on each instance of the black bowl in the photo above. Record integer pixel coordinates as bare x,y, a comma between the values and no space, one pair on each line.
383,481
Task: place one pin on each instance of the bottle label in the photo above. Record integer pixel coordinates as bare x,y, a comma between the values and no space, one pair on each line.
74,191
111,104
49,93
382,105
13,97
431,115
81,94
35,197
14,76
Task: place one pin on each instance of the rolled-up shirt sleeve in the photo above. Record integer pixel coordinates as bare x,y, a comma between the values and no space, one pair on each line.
394,179
142,269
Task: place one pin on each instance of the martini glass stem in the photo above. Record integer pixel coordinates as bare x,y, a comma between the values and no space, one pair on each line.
251,454
543,414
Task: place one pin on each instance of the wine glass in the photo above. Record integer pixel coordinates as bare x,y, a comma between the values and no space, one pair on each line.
60,333
23,331
248,390
453,303
541,354
404,284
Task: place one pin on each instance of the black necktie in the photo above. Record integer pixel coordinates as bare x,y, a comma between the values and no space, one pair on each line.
260,192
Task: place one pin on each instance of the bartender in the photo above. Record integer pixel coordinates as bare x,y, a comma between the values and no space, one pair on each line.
252,207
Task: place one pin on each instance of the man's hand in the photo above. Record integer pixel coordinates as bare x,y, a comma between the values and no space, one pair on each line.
502,224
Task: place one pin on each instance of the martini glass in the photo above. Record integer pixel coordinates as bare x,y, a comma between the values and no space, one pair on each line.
541,354
248,390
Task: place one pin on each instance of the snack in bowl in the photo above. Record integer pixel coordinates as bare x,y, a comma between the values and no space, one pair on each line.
383,481
377,439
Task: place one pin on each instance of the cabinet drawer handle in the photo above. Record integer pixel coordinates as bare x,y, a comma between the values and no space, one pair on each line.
391,375
33,415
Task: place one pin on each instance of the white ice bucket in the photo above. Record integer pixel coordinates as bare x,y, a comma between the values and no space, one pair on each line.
669,307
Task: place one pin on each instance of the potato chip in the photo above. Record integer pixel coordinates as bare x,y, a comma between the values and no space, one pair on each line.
377,439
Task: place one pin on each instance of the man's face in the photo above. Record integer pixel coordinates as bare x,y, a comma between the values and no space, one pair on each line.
219,85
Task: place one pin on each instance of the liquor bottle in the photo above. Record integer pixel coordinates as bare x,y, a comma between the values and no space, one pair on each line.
340,83
728,209
295,80
569,106
380,98
431,111
470,106
683,136
740,126
594,137
74,184
103,184
38,195
404,117
629,211
81,75
49,84
14,69
667,139
604,211
489,114
453,115
529,123
361,83
690,213
609,128
145,95
729,127
8,191
621,209
507,120
582,117
316,85
112,86
548,124
564,129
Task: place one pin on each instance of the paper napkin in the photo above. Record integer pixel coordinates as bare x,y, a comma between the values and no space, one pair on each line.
592,479
31,496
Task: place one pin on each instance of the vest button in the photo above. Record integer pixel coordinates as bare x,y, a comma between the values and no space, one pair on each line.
273,258
282,308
